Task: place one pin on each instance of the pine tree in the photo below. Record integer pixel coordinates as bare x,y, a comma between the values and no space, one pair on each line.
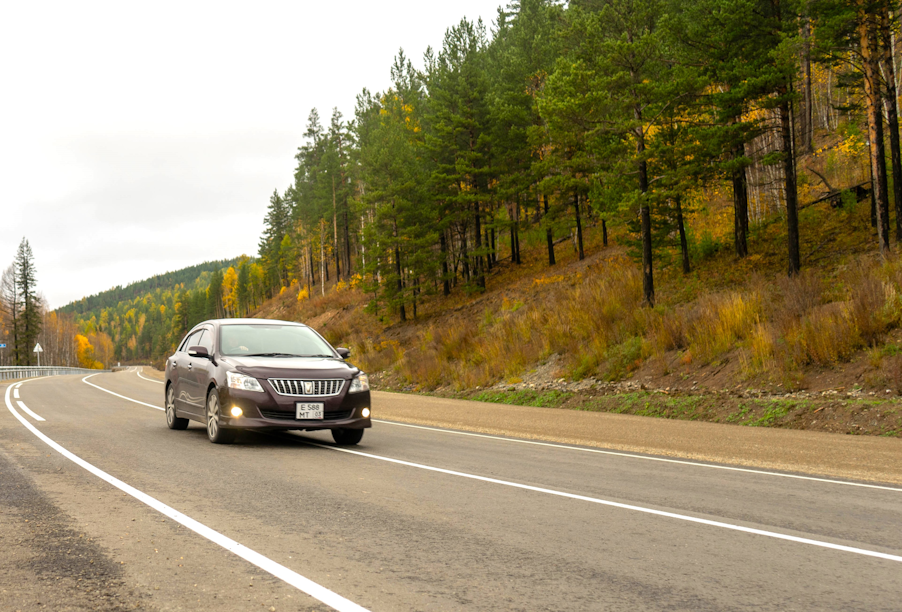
276,225
243,288
748,49
458,143
30,316
618,60
402,228
214,296
519,58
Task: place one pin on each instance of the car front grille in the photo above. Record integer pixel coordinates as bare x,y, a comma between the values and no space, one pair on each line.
307,388
329,415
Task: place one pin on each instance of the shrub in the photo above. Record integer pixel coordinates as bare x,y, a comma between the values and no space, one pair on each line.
721,321
624,358
867,299
826,336
761,348
798,295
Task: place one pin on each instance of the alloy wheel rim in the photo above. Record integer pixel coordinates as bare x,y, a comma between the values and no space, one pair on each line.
212,416
170,409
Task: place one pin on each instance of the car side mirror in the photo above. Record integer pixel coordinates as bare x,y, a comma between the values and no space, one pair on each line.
344,353
198,351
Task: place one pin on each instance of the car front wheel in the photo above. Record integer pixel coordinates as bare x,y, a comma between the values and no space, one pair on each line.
172,420
215,432
347,437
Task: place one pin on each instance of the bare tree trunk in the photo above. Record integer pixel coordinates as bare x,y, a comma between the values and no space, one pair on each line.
548,233
648,283
891,103
464,253
443,248
322,251
870,58
335,233
480,270
347,232
400,283
740,205
807,126
493,254
790,191
514,213
684,245
579,227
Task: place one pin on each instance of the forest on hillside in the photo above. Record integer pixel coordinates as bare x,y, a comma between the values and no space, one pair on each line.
595,115
145,320
643,120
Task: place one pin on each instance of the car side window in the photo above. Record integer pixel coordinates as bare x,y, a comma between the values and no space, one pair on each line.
184,345
206,341
190,341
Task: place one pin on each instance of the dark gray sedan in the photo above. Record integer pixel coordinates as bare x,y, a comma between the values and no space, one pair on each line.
233,374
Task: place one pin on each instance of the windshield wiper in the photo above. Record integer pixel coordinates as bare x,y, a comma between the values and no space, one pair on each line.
329,356
273,355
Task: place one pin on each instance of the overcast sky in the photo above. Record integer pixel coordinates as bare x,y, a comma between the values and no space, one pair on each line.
139,138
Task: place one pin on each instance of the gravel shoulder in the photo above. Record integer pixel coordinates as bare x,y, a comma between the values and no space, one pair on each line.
49,562
868,458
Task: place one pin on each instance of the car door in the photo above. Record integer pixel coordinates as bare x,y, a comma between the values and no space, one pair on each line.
184,367
201,370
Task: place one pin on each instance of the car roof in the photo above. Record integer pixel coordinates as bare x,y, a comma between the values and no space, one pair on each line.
248,322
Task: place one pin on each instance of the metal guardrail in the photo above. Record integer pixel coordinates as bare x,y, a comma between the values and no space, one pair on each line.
13,372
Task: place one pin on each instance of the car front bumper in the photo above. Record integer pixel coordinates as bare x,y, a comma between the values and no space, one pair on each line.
271,411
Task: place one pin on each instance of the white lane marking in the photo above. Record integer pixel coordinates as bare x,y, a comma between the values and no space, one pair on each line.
85,380
306,585
16,393
36,417
138,372
683,517
647,458
604,502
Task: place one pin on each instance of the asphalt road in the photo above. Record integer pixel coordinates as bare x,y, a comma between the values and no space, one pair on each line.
125,514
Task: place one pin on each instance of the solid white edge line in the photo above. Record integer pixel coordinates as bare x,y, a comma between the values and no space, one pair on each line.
604,502
138,372
33,415
268,565
637,456
85,380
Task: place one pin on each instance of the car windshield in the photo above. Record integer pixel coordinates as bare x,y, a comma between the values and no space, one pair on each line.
272,341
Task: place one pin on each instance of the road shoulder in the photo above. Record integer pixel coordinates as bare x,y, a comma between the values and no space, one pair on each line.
831,455
47,562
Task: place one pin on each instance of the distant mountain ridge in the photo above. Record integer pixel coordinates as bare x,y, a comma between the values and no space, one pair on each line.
112,297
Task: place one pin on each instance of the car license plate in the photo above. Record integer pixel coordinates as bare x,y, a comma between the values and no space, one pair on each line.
308,411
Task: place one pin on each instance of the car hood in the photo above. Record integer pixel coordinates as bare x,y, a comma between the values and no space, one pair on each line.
292,367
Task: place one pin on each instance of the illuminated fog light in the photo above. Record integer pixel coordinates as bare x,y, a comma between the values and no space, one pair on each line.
365,412
236,411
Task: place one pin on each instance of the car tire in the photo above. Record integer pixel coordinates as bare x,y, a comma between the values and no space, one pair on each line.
173,421
347,437
216,433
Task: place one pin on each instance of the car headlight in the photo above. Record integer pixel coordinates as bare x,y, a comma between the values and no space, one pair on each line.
360,383
245,383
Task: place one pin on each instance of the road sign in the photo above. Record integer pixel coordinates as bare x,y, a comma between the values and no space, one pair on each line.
37,348
2,346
